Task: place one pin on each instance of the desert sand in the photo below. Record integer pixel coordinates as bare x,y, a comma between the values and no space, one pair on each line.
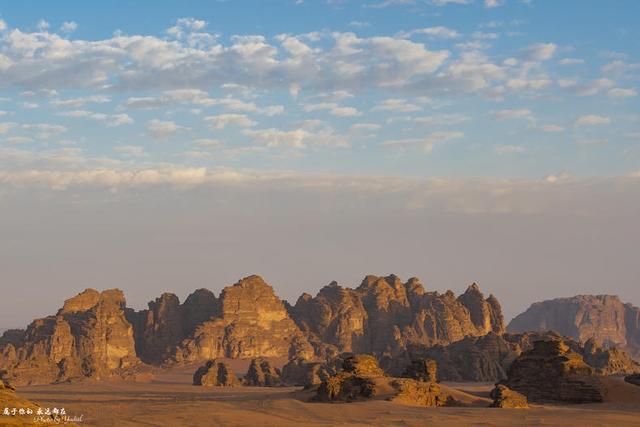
170,400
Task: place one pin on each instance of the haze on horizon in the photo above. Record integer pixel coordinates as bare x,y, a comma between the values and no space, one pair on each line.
179,147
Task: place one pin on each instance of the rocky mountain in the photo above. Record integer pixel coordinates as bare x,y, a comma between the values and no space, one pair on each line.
603,317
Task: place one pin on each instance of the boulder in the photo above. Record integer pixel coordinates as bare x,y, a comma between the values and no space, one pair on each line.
362,365
262,374
504,397
215,374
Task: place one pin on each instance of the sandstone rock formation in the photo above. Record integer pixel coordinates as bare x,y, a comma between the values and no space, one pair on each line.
355,381
603,317
384,316
215,374
504,397
551,371
250,321
422,369
299,372
419,393
262,374
89,337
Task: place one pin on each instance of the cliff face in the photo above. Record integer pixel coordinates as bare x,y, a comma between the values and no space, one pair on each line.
385,316
89,337
603,317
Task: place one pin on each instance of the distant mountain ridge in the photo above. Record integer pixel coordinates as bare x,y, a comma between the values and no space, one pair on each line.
582,317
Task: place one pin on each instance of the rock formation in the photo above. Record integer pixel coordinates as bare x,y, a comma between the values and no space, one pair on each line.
299,372
488,358
603,317
418,393
385,316
251,321
89,337
355,381
633,379
504,397
422,369
262,374
215,374
551,371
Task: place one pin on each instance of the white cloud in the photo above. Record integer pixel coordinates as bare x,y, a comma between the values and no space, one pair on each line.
509,149
6,127
571,61
130,150
552,128
439,32
591,141
592,120
396,105
79,102
278,138
45,130
42,25
440,120
221,121
622,93
333,109
110,120
493,3
540,52
512,114
427,143
68,27
163,129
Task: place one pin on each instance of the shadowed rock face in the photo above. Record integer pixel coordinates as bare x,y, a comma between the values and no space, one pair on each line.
603,317
89,337
551,371
262,374
215,374
385,316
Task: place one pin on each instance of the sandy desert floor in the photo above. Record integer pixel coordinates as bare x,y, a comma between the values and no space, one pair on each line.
171,400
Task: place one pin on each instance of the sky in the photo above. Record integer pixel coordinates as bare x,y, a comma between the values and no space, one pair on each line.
165,146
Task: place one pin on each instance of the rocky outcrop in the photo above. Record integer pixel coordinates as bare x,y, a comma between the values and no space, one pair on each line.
384,316
299,372
551,371
355,381
89,337
607,361
422,369
633,379
504,397
418,393
262,374
251,322
215,374
603,317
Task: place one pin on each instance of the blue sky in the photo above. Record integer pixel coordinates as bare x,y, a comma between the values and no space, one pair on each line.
165,146
515,89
